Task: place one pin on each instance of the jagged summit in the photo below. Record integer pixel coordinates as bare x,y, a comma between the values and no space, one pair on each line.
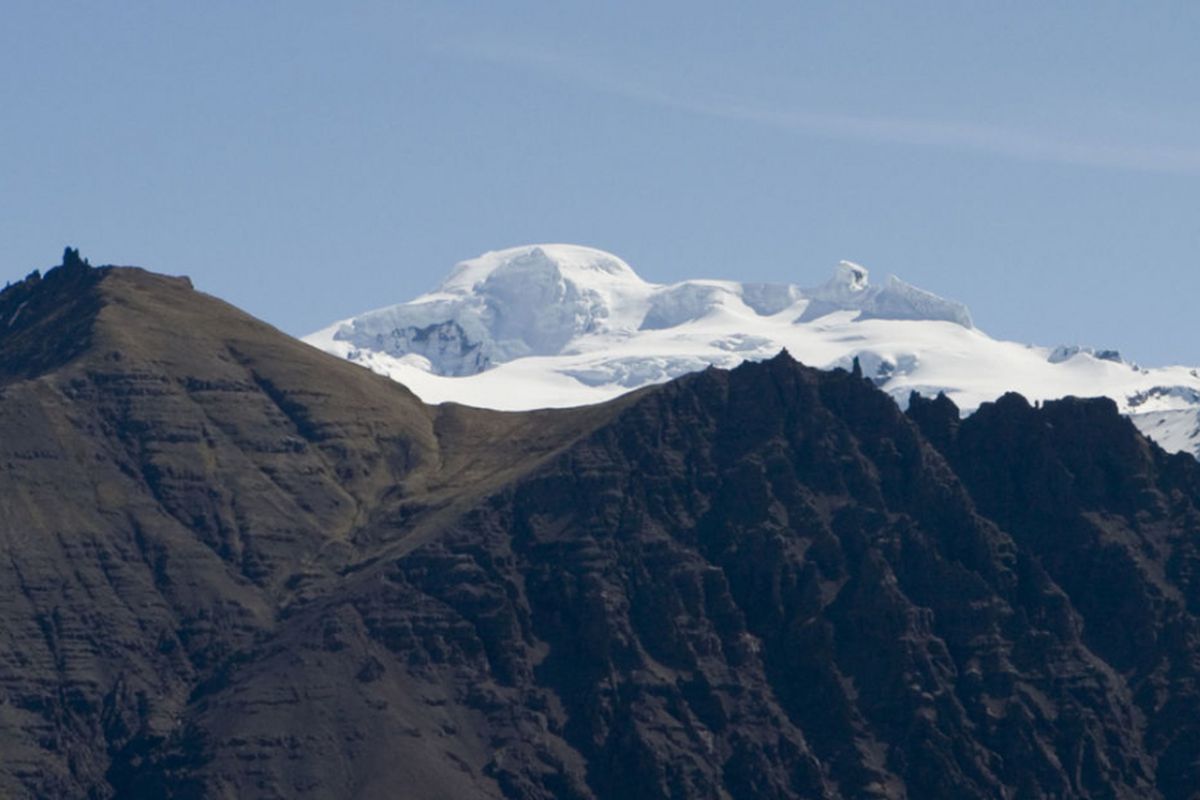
850,289
46,319
72,260
848,278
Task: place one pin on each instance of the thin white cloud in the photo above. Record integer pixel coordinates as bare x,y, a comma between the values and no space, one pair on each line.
1004,142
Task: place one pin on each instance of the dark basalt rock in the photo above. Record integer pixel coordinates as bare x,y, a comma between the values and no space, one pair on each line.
240,567
45,320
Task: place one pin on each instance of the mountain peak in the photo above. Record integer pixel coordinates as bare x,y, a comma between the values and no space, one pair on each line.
564,325
597,327
560,299
583,266
850,289
46,320
72,260
853,277
503,305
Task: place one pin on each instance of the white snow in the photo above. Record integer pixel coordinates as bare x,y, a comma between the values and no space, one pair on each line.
557,325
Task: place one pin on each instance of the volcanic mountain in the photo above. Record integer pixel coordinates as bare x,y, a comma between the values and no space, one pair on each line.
236,566
563,325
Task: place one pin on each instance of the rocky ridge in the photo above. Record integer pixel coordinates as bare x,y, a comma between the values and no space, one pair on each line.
238,567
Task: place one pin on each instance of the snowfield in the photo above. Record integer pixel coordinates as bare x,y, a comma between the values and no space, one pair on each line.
556,325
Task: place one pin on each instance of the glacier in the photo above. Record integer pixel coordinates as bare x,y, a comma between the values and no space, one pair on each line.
554,325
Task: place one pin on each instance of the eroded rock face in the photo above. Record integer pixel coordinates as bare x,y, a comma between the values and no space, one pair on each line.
241,568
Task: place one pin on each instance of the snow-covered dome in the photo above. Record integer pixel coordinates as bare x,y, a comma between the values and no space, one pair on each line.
560,299
504,305
560,325
582,266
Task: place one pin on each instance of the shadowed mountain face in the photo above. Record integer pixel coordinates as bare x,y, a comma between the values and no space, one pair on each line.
237,567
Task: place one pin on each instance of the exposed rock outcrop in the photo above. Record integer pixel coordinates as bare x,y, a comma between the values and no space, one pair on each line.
238,567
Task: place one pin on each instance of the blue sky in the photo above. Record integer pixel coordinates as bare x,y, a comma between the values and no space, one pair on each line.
307,161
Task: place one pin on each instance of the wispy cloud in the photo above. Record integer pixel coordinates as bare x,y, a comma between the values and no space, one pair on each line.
999,141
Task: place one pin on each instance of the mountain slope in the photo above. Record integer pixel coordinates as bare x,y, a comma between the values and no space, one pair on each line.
238,567
561,325
172,484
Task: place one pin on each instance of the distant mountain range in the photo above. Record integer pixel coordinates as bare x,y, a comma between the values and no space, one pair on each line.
560,325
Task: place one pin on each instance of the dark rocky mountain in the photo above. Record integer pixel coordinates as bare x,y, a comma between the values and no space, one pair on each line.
237,567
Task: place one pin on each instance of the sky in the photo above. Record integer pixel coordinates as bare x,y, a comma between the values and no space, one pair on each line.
308,161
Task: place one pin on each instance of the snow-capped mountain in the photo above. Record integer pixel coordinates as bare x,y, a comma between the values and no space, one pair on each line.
563,325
